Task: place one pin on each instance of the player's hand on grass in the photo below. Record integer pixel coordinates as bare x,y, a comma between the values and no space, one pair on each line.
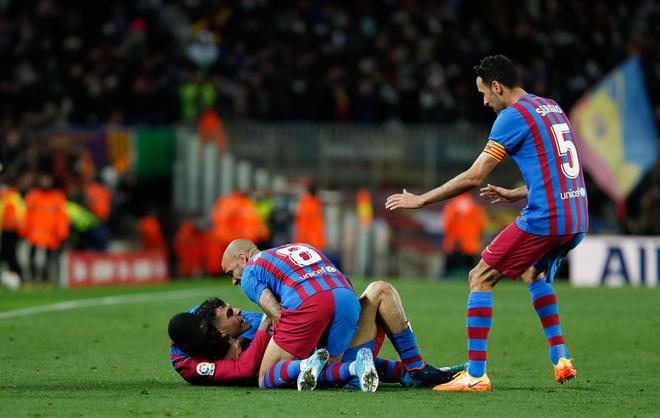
498,194
405,200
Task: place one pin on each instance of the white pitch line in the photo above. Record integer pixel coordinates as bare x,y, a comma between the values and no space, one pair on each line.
108,300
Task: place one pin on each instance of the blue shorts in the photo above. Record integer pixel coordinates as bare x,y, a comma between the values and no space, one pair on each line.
344,324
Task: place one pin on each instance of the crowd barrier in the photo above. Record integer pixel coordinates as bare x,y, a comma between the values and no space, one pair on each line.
81,269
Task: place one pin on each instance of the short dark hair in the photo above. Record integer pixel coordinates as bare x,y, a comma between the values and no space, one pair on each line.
187,330
498,68
196,336
208,307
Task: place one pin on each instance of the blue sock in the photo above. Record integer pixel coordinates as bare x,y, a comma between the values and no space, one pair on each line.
405,343
478,322
280,375
389,371
545,304
336,374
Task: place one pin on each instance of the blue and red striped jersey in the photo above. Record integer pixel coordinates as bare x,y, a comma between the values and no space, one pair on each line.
537,134
292,272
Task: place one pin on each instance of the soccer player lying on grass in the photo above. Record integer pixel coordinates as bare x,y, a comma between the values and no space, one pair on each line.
202,355
220,360
382,312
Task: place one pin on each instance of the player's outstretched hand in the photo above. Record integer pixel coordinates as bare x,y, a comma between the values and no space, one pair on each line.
498,194
403,200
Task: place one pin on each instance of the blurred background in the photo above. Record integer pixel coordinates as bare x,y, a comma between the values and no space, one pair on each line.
138,138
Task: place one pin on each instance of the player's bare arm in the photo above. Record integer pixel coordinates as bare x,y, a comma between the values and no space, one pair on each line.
467,180
270,305
496,194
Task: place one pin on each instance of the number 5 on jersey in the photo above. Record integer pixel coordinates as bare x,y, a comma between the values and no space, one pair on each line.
571,168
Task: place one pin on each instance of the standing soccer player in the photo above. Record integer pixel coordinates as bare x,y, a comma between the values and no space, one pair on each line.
536,133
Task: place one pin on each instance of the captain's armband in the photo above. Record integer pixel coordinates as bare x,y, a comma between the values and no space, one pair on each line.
495,150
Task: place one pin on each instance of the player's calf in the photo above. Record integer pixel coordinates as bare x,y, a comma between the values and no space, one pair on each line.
544,300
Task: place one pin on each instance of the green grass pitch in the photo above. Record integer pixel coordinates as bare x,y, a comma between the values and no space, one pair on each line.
112,359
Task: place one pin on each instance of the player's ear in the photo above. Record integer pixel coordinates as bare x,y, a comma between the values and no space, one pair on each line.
496,86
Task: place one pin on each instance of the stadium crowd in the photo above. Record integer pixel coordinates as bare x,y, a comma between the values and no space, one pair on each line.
154,61
53,197
166,61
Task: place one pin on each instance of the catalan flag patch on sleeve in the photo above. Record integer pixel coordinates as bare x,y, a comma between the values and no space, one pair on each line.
495,150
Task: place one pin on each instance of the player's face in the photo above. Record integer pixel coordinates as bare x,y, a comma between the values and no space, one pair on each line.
490,95
230,321
234,268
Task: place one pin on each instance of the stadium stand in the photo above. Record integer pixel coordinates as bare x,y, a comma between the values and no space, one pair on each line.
378,65
409,61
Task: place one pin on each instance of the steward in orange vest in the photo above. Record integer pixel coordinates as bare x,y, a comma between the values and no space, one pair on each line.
464,222
234,216
309,223
46,224
12,215
189,248
151,234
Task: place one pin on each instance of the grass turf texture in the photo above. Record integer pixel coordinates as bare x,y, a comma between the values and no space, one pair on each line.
112,360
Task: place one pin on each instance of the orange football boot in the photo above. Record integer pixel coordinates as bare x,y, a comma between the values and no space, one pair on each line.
564,370
463,382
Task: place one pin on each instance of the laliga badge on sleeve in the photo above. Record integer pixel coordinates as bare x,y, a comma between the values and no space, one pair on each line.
205,369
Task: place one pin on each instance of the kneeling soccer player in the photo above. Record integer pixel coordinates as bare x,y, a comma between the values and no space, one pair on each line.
311,302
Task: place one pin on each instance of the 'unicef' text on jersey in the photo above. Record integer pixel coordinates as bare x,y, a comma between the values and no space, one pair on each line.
322,270
538,136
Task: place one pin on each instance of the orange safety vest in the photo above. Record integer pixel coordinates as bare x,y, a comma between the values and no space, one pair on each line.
99,199
235,216
151,234
464,221
12,210
189,247
46,220
309,224
214,248
210,128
